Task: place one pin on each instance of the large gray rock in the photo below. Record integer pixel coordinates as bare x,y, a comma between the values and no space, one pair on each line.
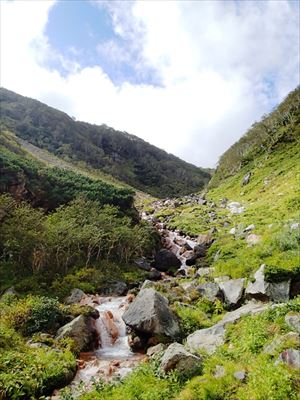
154,350
113,288
206,339
149,313
233,291
209,339
81,330
209,291
293,321
75,296
259,289
262,290
279,291
177,357
165,260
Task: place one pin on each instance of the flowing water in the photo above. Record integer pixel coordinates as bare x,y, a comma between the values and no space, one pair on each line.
113,357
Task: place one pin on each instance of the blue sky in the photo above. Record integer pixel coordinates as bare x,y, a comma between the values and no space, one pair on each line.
187,76
84,32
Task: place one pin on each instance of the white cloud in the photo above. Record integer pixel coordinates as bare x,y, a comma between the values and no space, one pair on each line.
216,60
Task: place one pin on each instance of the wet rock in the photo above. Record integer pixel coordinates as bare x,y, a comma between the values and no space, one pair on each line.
209,291
176,357
150,313
81,330
206,339
165,261
246,179
291,357
75,296
233,291
293,321
190,257
199,250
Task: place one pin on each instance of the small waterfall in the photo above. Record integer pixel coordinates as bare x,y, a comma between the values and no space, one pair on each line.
112,329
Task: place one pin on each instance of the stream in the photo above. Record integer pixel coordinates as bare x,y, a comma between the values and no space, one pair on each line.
113,358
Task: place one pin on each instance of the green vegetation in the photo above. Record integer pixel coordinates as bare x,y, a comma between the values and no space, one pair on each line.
28,371
116,153
45,187
45,247
243,350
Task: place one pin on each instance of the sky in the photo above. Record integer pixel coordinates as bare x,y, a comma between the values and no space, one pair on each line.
187,76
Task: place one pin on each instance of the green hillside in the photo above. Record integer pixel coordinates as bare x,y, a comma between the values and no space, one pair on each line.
270,153
116,153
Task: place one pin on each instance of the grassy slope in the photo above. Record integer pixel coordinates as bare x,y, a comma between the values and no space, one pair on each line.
272,203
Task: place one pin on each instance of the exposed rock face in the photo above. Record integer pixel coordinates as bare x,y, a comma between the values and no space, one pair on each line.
75,296
263,290
149,313
280,291
210,291
165,260
293,321
177,357
206,339
233,291
260,288
81,330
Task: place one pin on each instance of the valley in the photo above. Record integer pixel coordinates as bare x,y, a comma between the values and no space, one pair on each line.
147,286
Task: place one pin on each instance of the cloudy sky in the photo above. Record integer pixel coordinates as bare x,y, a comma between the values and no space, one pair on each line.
187,76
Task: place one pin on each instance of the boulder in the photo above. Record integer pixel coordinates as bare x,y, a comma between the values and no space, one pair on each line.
165,261
235,208
81,330
233,291
262,290
113,288
199,250
291,357
293,321
204,271
259,289
190,257
154,275
154,350
75,296
210,338
177,357
206,339
149,313
279,291
209,291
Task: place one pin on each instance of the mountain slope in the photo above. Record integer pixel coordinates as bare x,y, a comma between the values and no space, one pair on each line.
269,200
119,154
